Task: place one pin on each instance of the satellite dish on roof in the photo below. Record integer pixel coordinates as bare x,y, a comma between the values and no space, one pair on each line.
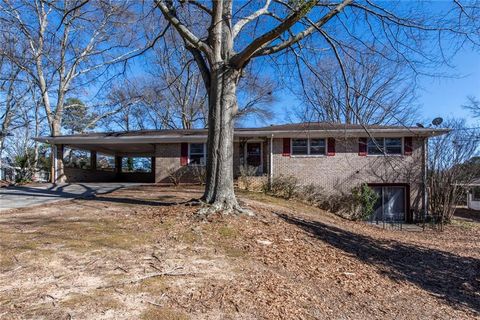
420,125
437,121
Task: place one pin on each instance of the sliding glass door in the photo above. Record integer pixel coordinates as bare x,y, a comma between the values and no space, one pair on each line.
391,203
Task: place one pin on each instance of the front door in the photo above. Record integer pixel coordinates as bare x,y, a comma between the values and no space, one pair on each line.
391,205
254,155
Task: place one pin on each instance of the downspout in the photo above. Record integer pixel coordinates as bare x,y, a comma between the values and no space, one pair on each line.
55,164
270,178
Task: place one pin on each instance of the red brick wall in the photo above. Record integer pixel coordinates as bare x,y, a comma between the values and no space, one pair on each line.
84,175
167,162
340,173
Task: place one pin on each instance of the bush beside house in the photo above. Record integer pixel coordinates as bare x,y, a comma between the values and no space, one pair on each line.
358,204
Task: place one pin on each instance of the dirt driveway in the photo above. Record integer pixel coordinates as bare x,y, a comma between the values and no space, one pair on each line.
141,253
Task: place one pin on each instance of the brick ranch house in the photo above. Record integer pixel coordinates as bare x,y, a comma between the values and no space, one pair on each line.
336,157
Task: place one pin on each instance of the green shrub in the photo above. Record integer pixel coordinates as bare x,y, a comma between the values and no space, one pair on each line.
366,198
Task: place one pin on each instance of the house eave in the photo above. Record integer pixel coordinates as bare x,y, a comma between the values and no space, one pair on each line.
121,140
346,133
334,133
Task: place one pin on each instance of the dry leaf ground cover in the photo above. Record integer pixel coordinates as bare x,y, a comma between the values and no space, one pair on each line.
140,253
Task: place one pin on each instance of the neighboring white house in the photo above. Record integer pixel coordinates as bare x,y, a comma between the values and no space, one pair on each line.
473,195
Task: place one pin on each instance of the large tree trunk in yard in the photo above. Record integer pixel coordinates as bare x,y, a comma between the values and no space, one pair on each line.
219,189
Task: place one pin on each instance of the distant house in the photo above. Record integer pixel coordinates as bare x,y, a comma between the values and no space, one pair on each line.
473,195
335,157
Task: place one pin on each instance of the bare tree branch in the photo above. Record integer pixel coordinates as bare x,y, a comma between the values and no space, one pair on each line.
300,36
242,22
170,15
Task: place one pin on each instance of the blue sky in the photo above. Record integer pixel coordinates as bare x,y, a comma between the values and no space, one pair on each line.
444,96
437,96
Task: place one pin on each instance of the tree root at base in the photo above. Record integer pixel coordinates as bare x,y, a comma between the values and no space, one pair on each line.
223,208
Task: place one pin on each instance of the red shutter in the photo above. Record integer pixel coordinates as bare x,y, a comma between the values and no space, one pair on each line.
184,154
362,146
408,146
286,147
331,147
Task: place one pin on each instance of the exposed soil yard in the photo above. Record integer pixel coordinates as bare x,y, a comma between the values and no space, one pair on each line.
137,254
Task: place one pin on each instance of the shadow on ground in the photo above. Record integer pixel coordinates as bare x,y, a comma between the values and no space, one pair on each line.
56,191
468,214
61,192
451,277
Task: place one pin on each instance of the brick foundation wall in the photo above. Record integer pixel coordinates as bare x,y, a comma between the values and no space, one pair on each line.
85,175
143,177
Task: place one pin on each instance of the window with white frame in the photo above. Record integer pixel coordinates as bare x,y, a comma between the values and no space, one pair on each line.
317,146
308,147
381,146
300,146
393,145
476,194
197,154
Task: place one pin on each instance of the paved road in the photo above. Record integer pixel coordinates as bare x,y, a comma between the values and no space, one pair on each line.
31,195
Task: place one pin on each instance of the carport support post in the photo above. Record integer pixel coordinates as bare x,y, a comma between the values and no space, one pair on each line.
118,166
58,175
93,160
152,168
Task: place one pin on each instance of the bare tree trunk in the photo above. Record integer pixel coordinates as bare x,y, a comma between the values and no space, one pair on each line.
37,130
219,190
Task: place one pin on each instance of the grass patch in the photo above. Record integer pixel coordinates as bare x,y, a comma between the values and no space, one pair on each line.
157,313
7,260
166,225
101,299
97,234
234,252
189,237
154,286
468,225
227,232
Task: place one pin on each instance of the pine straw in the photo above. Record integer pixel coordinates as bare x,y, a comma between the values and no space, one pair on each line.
290,261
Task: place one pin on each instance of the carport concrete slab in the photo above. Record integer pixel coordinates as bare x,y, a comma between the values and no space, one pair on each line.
31,195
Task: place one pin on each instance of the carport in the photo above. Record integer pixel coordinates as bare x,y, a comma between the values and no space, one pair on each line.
94,145
164,150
